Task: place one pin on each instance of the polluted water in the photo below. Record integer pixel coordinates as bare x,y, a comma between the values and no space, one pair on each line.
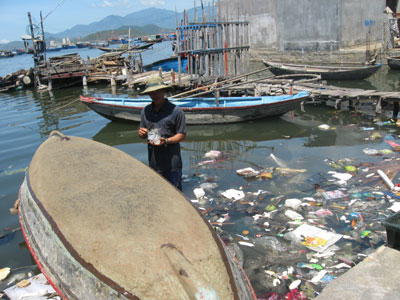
295,229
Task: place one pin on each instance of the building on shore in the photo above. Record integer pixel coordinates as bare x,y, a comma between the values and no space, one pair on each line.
311,25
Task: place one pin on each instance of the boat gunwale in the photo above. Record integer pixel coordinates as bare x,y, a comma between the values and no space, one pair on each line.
88,266
34,255
318,68
97,101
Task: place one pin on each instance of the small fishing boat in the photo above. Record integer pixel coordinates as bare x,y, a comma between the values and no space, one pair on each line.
53,48
201,110
167,64
326,72
103,225
82,44
394,62
125,47
5,54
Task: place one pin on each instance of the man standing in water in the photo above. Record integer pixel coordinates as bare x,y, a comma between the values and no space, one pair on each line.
164,125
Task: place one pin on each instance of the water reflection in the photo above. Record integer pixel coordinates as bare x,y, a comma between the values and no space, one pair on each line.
344,131
56,106
115,133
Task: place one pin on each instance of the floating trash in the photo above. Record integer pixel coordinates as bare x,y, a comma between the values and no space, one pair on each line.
303,231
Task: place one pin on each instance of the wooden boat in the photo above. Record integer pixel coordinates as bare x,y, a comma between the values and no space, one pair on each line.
53,48
167,64
124,47
201,110
5,54
394,62
93,45
82,44
326,72
103,225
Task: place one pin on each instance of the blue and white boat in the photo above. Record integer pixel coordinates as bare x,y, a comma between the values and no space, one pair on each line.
167,64
201,110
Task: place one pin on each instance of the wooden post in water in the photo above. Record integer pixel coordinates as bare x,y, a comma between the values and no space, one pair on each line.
49,84
112,81
172,76
213,49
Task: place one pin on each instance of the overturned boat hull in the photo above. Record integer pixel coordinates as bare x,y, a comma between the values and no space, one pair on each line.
102,225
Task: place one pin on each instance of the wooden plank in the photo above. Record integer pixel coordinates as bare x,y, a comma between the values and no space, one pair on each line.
361,93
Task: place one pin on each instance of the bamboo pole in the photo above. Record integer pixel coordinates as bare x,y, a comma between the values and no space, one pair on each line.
219,83
224,87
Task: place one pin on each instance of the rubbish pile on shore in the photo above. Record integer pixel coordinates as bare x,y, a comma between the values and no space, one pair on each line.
292,244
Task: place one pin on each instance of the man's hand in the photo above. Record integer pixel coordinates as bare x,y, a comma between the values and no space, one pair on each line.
160,142
143,132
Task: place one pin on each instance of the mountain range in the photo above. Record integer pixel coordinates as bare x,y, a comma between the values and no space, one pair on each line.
163,18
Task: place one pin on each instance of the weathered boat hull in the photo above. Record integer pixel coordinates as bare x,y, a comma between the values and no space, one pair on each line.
394,62
102,225
129,110
327,73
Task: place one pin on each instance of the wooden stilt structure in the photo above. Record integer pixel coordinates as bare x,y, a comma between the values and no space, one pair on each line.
59,71
213,49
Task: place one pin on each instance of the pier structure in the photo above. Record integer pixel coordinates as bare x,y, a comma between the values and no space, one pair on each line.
321,92
61,71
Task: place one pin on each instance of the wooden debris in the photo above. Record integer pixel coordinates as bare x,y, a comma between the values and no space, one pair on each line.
4,273
23,283
15,80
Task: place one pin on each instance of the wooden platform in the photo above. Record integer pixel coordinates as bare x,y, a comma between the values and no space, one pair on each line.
329,92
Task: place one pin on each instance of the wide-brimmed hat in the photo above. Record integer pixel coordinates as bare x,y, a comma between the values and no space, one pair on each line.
154,83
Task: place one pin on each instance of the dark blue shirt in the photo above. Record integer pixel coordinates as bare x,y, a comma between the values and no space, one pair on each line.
171,120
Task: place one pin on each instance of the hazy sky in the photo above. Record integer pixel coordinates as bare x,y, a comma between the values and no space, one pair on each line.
64,14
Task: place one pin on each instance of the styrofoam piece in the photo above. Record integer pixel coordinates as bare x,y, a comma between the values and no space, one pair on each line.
293,203
293,215
199,192
39,289
233,194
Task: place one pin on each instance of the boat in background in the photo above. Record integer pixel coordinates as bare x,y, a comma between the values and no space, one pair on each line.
93,45
102,225
5,54
18,51
167,65
53,48
125,47
394,62
82,44
201,110
153,39
326,72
